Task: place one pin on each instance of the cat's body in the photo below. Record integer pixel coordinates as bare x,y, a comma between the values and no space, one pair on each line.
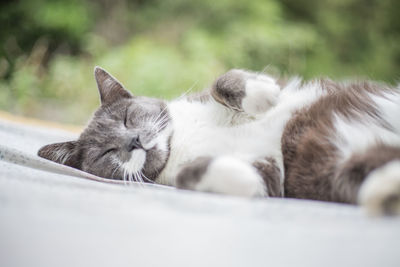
209,129
249,136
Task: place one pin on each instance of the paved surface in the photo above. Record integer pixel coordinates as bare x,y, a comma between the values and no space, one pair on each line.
51,215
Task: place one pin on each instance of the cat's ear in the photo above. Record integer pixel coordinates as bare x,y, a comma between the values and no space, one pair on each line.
110,89
67,153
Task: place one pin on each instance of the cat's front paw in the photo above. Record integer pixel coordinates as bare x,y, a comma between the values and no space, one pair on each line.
380,192
245,91
261,94
224,175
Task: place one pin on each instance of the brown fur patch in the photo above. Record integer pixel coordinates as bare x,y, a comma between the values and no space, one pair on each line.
192,173
310,160
351,174
271,175
229,88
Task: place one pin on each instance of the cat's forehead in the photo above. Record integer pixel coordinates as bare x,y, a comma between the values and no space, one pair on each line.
108,121
100,130
139,105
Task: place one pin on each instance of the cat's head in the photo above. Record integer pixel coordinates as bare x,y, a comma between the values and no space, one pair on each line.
127,138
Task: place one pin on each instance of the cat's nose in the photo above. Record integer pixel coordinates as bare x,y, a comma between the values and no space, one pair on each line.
135,144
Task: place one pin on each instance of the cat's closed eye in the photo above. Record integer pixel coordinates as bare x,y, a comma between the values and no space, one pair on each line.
126,118
108,151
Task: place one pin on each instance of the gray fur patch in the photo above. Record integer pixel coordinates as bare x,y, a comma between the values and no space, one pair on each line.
229,88
191,174
271,174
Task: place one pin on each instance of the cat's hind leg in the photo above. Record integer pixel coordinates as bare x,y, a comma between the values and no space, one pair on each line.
231,176
248,92
380,192
371,179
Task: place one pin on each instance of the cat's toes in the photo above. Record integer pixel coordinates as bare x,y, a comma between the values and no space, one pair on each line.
224,175
261,94
380,193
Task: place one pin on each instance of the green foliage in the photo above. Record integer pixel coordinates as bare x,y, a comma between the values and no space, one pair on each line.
356,37
163,48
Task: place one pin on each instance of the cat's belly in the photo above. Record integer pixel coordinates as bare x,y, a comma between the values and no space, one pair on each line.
207,130
247,142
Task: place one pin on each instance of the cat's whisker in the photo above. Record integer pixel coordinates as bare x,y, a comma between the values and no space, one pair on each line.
159,117
141,178
159,124
126,177
162,119
264,70
159,114
133,177
115,170
138,178
144,176
187,91
154,125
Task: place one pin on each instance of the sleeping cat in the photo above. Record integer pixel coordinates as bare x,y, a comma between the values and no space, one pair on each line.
250,135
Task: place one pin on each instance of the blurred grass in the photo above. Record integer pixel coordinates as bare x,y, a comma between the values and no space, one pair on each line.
162,48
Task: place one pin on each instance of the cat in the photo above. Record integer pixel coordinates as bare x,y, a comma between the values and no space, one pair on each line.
252,135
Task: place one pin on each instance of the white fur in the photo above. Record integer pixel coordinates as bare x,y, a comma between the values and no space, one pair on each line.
381,184
357,135
389,106
261,95
210,129
161,141
135,163
228,175
201,131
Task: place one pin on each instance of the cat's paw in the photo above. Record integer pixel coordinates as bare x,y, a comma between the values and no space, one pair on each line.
224,175
261,94
245,91
380,192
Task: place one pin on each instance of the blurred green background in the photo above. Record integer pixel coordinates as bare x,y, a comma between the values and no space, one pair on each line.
162,48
